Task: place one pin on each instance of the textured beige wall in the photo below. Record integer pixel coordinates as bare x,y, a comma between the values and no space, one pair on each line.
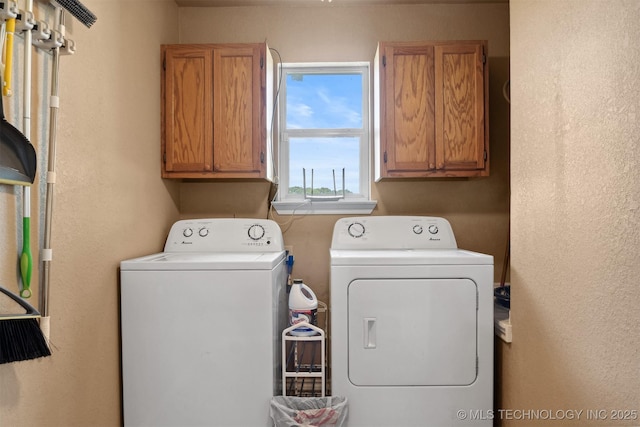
478,208
110,204
575,210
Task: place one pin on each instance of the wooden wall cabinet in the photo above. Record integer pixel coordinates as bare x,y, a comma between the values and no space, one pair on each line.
216,107
431,109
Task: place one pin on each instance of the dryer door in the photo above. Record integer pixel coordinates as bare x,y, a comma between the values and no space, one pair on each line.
412,332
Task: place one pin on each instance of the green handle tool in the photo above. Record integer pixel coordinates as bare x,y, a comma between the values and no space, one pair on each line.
26,260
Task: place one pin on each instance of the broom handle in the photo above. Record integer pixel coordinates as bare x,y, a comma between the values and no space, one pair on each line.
505,263
53,126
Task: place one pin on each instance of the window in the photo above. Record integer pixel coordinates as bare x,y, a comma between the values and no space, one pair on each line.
324,139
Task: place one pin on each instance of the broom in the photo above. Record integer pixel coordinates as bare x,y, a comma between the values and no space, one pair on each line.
78,10
20,334
84,15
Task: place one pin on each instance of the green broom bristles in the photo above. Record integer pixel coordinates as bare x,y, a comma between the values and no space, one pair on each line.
21,339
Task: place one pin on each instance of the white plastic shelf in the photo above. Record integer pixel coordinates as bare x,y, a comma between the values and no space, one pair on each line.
303,362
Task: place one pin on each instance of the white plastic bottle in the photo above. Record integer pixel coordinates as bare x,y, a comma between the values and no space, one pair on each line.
303,307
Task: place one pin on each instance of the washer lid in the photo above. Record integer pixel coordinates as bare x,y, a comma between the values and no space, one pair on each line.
183,261
409,257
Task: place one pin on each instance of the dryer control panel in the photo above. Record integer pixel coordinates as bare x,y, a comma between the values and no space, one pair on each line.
393,232
225,235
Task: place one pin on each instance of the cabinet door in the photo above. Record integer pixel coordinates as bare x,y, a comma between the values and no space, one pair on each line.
432,109
408,129
188,131
237,110
460,107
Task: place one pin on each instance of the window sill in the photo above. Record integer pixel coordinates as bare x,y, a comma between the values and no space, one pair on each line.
308,207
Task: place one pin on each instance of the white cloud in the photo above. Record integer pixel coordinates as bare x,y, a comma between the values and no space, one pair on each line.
301,110
300,115
338,107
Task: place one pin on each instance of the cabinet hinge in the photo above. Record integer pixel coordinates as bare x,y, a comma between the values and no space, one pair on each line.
262,157
164,64
261,62
384,157
484,58
485,155
384,60
164,157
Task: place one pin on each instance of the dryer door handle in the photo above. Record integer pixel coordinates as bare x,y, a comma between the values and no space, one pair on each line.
370,332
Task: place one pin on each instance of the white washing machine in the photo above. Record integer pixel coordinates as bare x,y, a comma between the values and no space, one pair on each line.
201,323
412,324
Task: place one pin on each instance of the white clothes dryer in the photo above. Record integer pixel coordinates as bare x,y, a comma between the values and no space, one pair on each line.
412,324
201,324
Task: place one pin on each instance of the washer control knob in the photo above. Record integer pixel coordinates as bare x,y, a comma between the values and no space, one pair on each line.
433,229
187,232
203,232
356,229
417,229
256,232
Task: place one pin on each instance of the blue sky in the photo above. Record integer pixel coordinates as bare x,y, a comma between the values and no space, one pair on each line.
320,101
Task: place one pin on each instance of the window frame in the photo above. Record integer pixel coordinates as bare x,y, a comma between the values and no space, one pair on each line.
356,203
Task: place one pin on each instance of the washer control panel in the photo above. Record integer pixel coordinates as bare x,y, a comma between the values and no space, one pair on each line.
393,232
225,235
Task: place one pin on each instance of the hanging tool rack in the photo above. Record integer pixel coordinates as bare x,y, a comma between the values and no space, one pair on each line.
49,38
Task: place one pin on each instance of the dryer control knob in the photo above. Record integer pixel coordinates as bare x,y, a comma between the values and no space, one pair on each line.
417,229
203,232
256,232
433,229
187,232
356,229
